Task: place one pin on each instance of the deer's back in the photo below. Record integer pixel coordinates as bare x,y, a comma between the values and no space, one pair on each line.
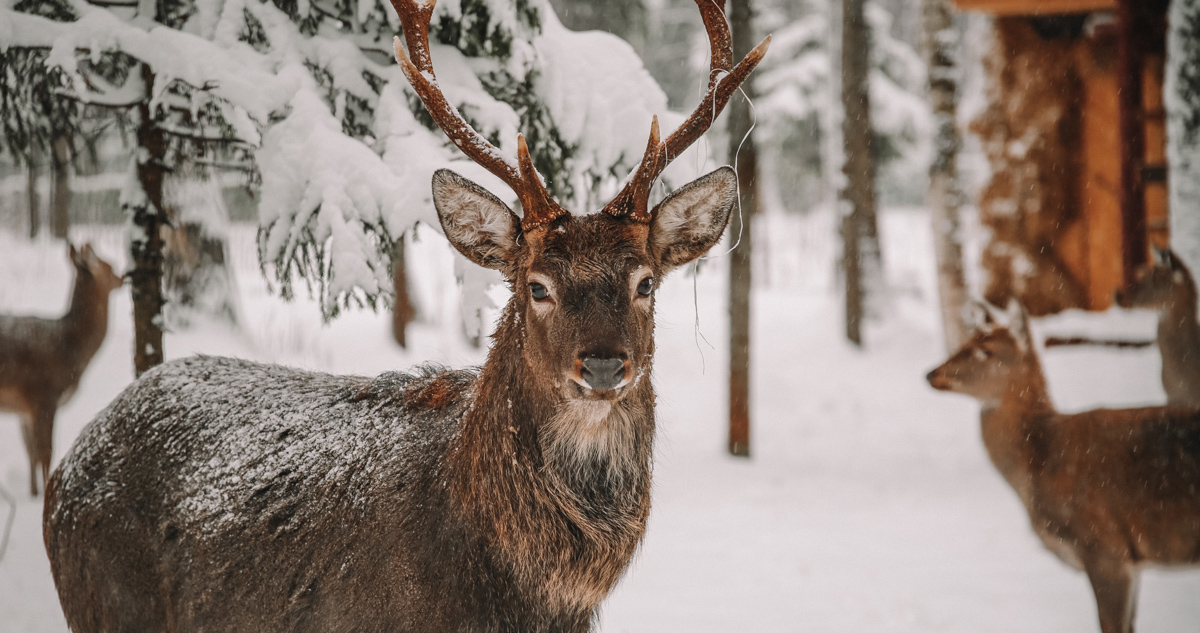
35,362
217,494
1123,480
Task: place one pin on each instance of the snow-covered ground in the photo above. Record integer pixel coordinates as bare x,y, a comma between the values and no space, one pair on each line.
868,505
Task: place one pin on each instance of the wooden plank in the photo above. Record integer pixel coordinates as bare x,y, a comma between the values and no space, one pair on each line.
1035,7
1100,200
1131,31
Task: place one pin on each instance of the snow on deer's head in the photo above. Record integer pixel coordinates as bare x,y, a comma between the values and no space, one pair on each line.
584,285
996,359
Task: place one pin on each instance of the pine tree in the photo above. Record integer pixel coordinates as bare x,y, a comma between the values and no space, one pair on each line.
307,95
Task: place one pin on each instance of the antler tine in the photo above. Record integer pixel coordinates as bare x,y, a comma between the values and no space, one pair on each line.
417,65
723,80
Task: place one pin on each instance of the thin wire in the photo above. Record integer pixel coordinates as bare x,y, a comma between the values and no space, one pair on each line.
736,156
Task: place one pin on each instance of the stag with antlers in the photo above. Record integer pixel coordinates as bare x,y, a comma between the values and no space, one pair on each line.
221,495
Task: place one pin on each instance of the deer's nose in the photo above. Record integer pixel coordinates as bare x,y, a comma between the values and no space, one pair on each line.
602,374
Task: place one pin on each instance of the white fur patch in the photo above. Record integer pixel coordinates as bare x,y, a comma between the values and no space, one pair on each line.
582,430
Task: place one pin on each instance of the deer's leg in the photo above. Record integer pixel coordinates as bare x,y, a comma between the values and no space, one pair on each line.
1114,582
30,450
43,438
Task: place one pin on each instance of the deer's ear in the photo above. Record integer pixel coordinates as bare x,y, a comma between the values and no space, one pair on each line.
477,223
691,220
1018,324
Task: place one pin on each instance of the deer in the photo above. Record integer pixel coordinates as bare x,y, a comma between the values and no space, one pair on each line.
1109,491
217,494
42,360
1167,286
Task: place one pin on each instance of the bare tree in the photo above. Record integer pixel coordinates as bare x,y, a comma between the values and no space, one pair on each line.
741,148
146,244
860,236
60,192
944,193
403,311
31,184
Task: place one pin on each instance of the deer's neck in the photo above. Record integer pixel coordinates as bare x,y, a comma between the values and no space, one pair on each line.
1013,429
86,321
1177,326
561,487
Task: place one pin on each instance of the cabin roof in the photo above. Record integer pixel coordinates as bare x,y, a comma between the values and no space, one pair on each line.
1035,7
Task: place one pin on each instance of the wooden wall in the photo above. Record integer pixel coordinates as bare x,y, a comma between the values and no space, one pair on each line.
1051,133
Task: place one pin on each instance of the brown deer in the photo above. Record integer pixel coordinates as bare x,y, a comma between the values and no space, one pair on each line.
1168,287
41,360
221,495
1108,491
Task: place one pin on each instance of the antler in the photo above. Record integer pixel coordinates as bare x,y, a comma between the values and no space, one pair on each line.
538,206
723,79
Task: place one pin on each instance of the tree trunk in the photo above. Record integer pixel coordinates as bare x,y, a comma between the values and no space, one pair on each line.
1183,133
741,147
145,213
860,237
402,308
60,194
944,193
35,216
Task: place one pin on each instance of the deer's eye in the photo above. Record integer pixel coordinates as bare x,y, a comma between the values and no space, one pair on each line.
538,292
645,287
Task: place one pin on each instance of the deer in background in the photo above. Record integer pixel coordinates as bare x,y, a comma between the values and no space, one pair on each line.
1168,287
1108,491
221,495
41,360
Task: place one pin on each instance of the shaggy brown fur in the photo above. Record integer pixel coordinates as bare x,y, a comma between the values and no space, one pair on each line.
221,495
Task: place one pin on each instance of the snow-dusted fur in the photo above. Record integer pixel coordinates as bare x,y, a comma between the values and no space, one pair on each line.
42,360
1108,491
222,495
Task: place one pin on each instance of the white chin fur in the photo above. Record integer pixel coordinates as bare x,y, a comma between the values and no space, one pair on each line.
588,428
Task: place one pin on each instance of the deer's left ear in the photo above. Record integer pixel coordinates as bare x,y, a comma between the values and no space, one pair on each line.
691,220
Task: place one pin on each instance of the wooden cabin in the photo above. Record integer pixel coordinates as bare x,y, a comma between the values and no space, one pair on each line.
1075,132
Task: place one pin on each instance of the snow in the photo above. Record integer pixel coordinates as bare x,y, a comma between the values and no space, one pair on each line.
868,505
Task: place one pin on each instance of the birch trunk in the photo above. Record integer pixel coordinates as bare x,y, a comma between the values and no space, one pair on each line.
941,39
1183,129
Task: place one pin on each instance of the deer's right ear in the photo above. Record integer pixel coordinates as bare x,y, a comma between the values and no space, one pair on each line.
476,222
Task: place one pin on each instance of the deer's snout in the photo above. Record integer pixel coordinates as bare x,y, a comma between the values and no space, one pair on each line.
937,379
602,373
